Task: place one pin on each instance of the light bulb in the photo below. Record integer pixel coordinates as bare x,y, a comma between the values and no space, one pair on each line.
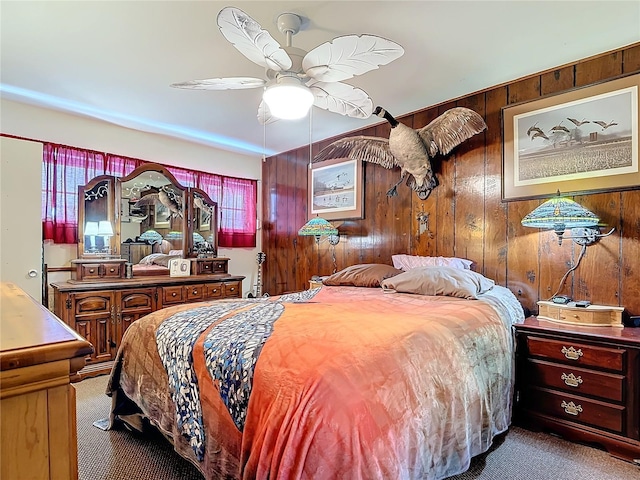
288,99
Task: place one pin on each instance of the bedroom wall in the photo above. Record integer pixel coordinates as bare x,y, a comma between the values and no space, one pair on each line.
466,215
36,123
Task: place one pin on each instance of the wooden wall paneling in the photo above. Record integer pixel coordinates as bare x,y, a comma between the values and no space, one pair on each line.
445,199
495,226
282,222
602,259
557,81
269,209
631,59
599,69
630,251
424,243
301,264
470,195
523,253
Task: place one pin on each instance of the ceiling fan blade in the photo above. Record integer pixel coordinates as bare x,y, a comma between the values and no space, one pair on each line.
264,114
230,83
252,40
342,98
345,57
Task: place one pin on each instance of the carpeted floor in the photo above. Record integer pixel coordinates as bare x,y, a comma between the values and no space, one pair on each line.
119,454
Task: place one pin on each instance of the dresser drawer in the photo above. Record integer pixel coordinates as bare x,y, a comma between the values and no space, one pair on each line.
90,272
112,270
607,386
576,409
577,353
194,292
213,291
232,289
220,266
172,295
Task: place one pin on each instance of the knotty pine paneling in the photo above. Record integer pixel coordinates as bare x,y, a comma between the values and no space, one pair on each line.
467,217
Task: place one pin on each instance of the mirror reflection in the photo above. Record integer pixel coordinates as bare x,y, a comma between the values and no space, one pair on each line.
152,217
97,217
204,225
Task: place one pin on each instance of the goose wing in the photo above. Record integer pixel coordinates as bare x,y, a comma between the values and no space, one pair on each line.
368,149
451,129
149,199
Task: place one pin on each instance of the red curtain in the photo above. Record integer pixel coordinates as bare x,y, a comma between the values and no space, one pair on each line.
238,213
66,168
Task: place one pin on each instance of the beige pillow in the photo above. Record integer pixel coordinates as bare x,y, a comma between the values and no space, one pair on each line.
363,275
450,281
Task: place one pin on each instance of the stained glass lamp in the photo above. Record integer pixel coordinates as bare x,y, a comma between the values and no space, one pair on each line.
559,214
319,227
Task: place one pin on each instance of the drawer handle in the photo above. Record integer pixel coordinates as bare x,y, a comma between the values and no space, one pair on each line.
207,266
571,380
195,291
173,294
571,408
91,270
215,290
112,270
232,289
571,353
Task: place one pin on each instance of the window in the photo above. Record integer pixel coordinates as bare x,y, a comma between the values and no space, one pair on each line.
66,168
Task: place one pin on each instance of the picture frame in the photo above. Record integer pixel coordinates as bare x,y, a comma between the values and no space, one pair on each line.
336,190
577,142
204,219
179,267
161,216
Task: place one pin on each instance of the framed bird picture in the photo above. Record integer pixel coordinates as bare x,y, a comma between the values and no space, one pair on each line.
581,141
162,216
336,189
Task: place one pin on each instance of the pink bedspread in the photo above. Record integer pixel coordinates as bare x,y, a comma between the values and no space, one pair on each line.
353,384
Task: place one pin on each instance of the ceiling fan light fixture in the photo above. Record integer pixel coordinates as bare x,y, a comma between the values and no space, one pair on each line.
288,98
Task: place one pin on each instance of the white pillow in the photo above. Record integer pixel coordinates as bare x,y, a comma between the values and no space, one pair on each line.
407,262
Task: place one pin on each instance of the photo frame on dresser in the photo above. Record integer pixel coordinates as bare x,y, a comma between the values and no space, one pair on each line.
581,141
179,267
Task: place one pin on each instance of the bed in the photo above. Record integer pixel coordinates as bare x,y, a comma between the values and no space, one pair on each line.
342,381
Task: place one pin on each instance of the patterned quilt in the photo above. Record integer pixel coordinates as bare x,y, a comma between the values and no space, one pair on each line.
338,382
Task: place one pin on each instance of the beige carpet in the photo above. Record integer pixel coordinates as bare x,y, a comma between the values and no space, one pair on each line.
519,454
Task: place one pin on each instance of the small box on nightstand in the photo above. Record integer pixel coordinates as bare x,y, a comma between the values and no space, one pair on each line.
593,315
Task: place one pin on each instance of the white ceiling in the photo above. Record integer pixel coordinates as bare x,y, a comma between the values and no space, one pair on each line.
114,60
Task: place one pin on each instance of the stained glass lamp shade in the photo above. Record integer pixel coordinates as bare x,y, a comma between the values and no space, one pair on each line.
560,214
318,226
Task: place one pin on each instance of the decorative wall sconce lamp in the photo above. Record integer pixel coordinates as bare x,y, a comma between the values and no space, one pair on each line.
560,214
319,227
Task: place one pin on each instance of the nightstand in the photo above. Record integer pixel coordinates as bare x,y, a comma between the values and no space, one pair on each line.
580,382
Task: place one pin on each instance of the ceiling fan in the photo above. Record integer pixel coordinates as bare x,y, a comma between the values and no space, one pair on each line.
296,79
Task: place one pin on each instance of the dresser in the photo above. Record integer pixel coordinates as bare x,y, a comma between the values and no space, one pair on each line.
38,353
582,382
101,311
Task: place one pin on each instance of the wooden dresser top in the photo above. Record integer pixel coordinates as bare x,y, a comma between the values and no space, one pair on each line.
30,334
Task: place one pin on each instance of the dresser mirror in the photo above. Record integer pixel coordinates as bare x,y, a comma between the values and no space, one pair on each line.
152,207
204,224
144,213
97,218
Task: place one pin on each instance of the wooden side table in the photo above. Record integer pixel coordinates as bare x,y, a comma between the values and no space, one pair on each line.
582,382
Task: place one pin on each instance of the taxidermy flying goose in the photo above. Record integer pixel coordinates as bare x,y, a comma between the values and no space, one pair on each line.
408,148
166,197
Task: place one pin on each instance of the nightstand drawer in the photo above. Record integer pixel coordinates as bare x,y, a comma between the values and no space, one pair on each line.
172,295
580,381
570,352
213,290
576,409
